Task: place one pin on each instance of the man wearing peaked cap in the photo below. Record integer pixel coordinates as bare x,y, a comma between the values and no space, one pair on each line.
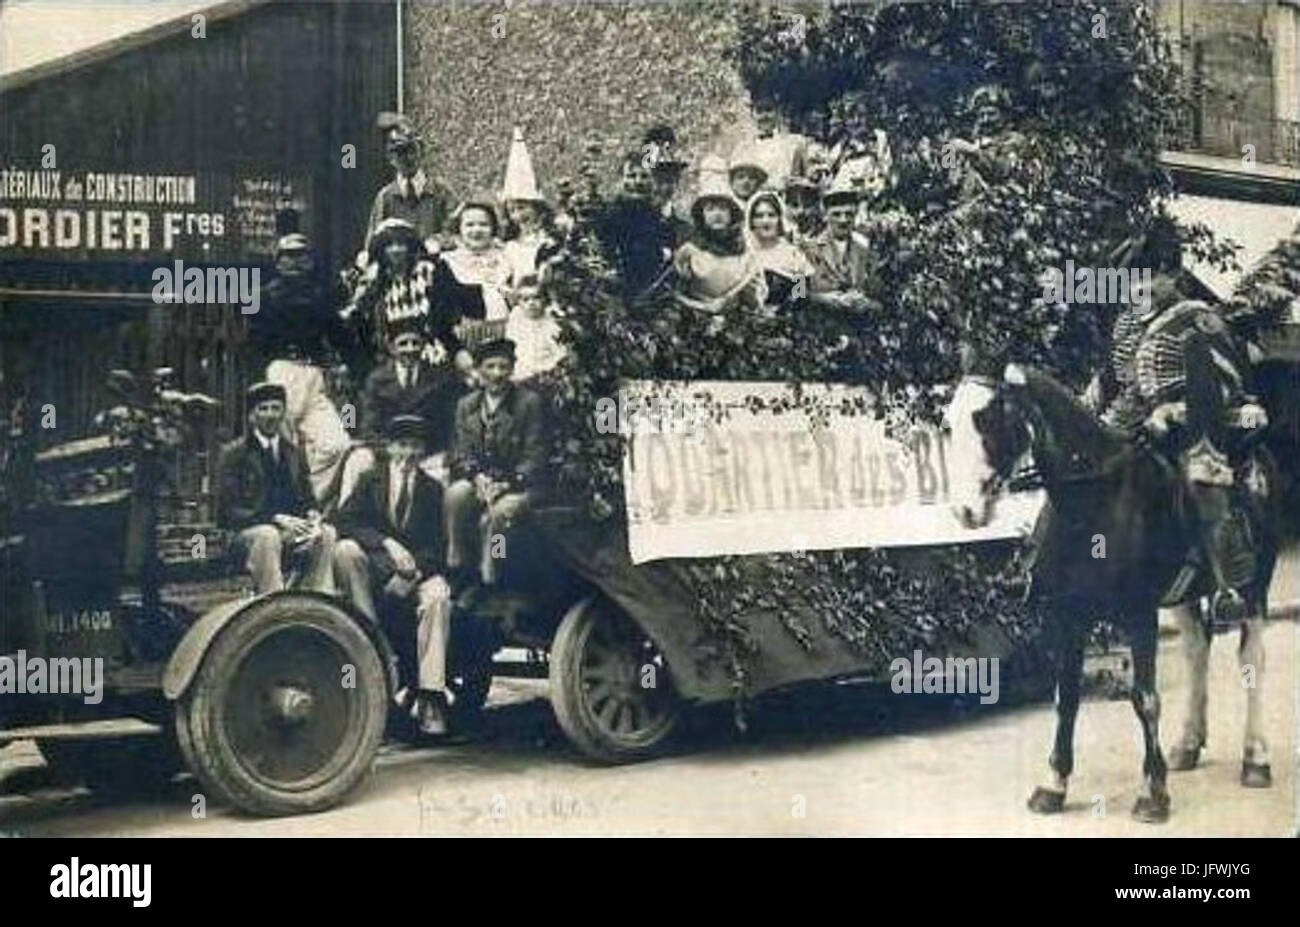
262,392
264,497
495,347
393,547
844,266
412,195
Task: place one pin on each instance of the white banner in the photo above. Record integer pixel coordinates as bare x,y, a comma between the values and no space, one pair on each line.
709,472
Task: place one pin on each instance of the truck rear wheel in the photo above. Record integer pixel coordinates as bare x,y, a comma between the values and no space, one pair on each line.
610,687
288,708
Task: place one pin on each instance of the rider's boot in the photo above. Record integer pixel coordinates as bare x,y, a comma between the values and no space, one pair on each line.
1224,531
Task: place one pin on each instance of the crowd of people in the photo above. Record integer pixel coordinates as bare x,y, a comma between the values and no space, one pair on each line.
448,319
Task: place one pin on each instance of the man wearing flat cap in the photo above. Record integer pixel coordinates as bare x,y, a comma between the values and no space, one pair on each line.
264,496
498,458
392,530
412,195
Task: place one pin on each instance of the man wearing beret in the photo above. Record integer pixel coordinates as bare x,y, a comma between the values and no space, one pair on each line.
264,496
393,542
497,462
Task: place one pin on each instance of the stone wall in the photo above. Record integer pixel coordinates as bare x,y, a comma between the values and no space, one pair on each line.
565,72
1246,55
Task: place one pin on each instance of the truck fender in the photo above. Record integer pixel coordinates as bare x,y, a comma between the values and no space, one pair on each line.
188,656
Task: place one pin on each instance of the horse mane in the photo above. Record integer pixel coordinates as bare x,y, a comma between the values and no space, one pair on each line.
1075,427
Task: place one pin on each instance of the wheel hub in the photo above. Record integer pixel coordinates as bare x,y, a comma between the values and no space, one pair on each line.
292,705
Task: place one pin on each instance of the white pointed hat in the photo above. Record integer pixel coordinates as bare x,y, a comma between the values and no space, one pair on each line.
520,182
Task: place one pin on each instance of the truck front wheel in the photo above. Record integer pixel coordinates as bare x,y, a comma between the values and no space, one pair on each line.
288,708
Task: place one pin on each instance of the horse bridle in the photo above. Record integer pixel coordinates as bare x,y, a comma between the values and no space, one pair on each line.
1032,477
1027,477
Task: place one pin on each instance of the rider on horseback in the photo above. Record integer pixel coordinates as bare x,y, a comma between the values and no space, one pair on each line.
1178,377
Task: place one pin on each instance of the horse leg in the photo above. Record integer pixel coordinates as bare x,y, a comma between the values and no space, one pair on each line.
1050,798
1196,650
1255,769
1152,805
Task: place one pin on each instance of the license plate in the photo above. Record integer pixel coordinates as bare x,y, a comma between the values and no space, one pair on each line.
76,621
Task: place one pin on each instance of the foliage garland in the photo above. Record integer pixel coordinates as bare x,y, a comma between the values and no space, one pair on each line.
1018,140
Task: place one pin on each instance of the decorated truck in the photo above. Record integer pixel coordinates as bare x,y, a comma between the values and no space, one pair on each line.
278,703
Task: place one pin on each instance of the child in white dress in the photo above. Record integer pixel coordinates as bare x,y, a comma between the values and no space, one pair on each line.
533,328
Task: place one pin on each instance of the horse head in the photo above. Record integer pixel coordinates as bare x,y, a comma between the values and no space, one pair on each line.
997,417
989,433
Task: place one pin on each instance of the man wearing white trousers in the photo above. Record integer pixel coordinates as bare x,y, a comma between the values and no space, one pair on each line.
392,545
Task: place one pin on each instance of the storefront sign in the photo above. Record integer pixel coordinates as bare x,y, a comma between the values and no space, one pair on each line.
107,215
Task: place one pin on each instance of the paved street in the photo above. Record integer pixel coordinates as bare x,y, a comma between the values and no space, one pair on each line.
864,761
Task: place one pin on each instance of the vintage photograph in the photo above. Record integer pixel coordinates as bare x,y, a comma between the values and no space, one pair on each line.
649,418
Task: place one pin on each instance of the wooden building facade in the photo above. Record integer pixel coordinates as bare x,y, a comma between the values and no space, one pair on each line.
166,145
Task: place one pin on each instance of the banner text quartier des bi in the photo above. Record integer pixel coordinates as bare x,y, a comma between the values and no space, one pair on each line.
760,481
126,214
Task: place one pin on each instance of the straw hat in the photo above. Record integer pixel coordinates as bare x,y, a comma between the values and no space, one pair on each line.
520,182
394,229
746,156
844,189
714,186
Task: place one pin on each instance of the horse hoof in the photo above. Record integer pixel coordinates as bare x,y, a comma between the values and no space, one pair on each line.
1182,759
1046,801
1256,775
1151,809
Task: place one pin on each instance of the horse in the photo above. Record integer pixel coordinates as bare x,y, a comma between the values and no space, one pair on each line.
1112,544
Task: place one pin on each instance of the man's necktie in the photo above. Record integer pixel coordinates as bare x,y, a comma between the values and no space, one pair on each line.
402,509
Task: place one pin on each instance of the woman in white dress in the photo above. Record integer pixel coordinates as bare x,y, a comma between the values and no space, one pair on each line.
783,263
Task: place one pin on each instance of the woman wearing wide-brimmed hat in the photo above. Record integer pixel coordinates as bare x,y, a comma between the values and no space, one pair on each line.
716,268
403,282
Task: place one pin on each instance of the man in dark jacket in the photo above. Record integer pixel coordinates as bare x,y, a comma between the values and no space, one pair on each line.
634,232
264,496
393,540
407,384
497,462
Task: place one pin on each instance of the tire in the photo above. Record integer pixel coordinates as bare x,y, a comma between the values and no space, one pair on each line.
267,724
598,657
120,767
